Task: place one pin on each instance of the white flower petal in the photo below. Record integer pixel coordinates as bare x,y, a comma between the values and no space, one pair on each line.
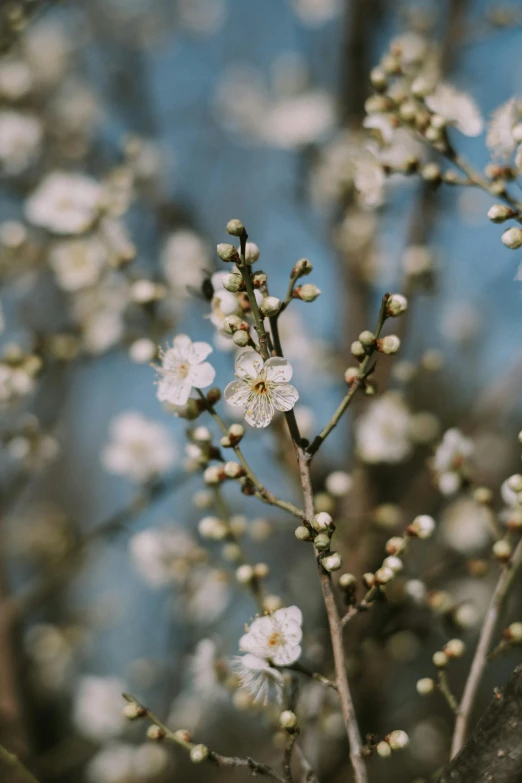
201,375
182,345
284,397
248,364
286,655
199,352
289,613
175,393
260,410
278,370
237,393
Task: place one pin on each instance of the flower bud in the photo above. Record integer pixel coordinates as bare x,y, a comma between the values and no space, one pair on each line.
431,172
199,753
384,575
440,659
389,344
231,553
357,349
202,435
270,305
227,252
425,686
213,395
236,433
235,227
212,528
322,541
395,545
142,351
514,482
301,268
232,282
514,632
483,495
408,111
233,470
231,324
512,238
455,648
398,739
502,550
397,304
132,711
212,475
332,562
261,570
155,733
383,749
351,373
288,720
271,603
422,526
307,292
241,338
182,735
347,582
394,563
368,579
367,338
498,213
338,483
378,79
302,533
322,521
245,574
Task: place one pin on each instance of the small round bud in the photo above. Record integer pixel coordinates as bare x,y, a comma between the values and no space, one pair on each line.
212,528
351,374
514,632
498,213
357,349
202,435
483,495
236,432
232,283
213,395
261,570
302,533
338,483
301,268
182,735
245,574
231,324
384,575
307,292
408,111
332,562
383,749
288,720
368,579
231,553
433,134
155,733
455,648
425,686
233,470
389,344
225,442
431,172
367,338
227,253
398,739
440,659
397,304
241,338
514,482
347,582
212,475
132,711
512,238
378,79
142,351
199,753
394,563
270,305
271,603
235,227
322,542
252,253
422,526
322,521
502,550
395,545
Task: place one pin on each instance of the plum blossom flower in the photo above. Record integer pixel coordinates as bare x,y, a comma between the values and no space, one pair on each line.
184,367
64,203
275,638
97,707
262,386
262,681
457,108
383,432
20,140
162,557
77,263
139,448
451,460
499,139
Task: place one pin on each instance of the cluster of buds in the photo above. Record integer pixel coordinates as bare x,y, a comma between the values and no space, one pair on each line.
395,740
233,437
321,532
239,329
216,474
200,450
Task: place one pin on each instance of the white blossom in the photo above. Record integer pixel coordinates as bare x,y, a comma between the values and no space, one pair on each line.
262,681
314,13
139,448
77,263
297,120
97,709
369,180
204,666
184,367
20,140
185,257
209,597
162,556
275,638
382,433
499,139
465,526
263,387
120,762
64,203
453,451
457,108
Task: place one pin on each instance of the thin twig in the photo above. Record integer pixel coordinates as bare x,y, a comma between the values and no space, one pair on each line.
12,761
444,688
481,653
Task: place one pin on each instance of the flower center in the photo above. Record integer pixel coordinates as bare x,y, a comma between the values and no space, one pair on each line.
275,640
183,370
261,387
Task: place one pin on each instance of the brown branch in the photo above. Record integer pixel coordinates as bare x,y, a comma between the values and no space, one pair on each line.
494,751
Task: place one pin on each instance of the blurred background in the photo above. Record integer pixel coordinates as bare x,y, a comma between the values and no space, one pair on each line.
189,113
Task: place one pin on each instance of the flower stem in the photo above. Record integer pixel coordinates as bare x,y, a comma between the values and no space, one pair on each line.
244,269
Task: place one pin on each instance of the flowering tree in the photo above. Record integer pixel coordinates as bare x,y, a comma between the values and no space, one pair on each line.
349,633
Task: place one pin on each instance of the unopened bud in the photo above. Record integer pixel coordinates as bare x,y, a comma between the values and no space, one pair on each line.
252,253
394,563
440,659
431,172
270,305
322,521
132,711
235,433
395,545
502,550
288,720
422,526
233,470
232,283
384,575
227,252
383,749
514,632
347,582
241,338
425,686
378,79
357,349
512,238
155,733
398,739
302,533
455,648
302,267
397,304
307,292
199,753
235,227
498,213
367,338
245,574
332,562
322,541
389,344
350,374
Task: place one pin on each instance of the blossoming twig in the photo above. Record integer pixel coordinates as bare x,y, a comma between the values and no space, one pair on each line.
182,738
364,371
480,658
258,318
446,691
21,771
365,604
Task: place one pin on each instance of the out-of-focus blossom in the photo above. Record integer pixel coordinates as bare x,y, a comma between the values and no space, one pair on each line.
201,17
369,180
259,678
47,48
382,433
185,258
120,762
207,671
16,79
466,526
314,13
139,448
51,653
163,556
76,109
461,322
298,120
451,460
275,638
183,367
99,311
208,597
499,138
97,709
77,263
457,108
64,203
263,387
20,141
